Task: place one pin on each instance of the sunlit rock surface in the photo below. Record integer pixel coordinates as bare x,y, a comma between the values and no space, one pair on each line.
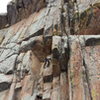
17,10
41,60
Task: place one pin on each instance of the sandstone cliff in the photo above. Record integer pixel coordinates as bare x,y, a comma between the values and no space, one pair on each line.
41,59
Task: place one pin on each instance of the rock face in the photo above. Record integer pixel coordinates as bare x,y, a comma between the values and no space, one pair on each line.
18,10
3,20
40,59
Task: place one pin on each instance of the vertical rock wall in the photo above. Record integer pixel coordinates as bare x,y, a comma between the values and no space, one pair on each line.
41,60
69,72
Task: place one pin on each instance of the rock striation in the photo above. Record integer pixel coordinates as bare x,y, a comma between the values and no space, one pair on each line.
20,9
79,14
41,59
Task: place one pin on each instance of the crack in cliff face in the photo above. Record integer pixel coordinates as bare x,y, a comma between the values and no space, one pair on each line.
92,42
87,79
